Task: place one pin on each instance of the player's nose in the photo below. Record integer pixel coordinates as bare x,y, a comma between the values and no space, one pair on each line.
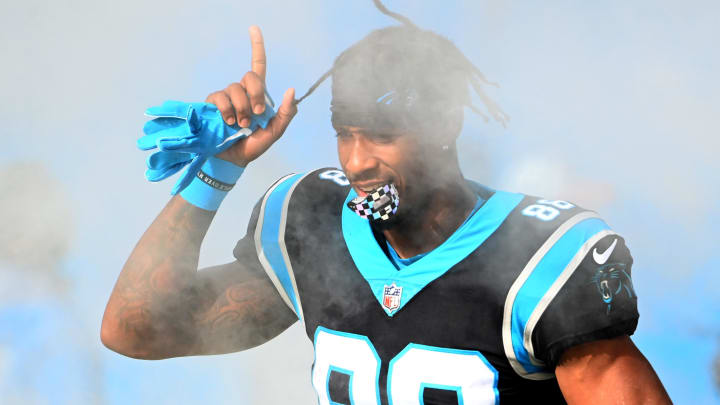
358,157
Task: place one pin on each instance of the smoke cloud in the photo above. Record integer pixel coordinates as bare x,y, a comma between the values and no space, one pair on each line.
613,106
36,217
38,227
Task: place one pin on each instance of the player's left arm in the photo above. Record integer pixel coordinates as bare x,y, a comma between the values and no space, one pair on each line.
583,332
609,371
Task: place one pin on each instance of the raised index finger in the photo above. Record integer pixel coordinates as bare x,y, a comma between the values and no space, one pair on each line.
258,52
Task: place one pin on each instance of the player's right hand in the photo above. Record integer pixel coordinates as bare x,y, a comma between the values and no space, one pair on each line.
235,103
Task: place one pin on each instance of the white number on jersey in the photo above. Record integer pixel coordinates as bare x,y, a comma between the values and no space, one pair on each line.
546,210
335,175
415,368
348,354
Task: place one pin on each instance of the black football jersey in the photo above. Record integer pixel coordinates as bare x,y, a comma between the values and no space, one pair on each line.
481,319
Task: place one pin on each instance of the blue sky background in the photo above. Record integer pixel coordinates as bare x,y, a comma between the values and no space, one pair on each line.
614,105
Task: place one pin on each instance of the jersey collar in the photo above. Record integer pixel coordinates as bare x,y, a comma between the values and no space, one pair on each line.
392,288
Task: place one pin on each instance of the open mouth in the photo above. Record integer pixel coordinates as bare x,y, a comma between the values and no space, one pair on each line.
605,290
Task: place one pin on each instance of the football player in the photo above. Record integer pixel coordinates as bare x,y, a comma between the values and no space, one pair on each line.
415,284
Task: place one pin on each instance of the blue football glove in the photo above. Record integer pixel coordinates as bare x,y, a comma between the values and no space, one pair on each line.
190,133
163,164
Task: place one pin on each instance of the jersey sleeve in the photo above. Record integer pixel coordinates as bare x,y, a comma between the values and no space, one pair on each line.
592,299
264,243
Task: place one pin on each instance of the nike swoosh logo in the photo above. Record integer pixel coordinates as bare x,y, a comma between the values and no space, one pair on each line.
603,257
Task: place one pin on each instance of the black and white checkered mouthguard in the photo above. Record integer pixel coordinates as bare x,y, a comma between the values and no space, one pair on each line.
380,205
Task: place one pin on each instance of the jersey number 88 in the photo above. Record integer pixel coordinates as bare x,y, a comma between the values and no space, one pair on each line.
546,210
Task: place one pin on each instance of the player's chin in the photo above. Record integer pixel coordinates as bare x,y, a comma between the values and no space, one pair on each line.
386,224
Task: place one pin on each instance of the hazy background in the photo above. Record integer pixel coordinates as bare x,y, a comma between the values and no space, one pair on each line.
614,105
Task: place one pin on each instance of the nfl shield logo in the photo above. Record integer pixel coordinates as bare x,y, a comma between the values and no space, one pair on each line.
391,297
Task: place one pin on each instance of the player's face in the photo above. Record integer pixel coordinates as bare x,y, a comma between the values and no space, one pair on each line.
372,158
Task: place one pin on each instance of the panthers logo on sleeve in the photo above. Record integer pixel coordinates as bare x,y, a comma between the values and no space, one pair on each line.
611,278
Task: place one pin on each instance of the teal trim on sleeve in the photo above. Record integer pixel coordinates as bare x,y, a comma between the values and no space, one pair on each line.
272,228
543,276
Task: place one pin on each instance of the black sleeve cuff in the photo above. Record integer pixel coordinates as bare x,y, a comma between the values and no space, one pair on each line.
556,349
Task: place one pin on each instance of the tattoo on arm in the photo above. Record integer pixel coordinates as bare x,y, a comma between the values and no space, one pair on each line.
163,307
254,306
149,308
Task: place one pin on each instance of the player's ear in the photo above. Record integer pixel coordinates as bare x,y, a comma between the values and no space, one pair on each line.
450,126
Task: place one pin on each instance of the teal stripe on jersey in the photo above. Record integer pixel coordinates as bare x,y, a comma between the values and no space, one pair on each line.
270,236
542,278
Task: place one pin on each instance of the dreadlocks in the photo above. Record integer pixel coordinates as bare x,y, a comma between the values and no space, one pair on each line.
402,76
